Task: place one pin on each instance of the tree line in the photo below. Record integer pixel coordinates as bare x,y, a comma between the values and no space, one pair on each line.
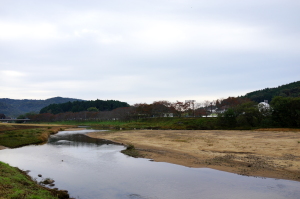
115,110
282,112
229,113
78,106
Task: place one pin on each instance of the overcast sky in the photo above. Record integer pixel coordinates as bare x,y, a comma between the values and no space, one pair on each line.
147,50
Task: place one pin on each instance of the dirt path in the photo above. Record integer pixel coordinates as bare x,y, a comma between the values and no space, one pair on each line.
257,153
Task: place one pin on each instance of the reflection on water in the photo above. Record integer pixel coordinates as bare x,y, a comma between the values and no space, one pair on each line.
91,168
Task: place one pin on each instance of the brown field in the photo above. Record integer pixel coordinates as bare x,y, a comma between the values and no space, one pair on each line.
265,152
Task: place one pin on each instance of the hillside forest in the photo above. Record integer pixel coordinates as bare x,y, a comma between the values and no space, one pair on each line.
287,90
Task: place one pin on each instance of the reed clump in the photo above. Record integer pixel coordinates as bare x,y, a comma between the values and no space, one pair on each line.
131,151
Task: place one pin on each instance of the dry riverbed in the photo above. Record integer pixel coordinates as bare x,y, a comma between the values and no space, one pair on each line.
265,153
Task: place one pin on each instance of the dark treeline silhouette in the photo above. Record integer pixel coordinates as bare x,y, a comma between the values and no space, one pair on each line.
286,111
123,113
78,106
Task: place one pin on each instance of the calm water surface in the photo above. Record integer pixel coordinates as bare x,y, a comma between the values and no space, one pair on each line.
90,168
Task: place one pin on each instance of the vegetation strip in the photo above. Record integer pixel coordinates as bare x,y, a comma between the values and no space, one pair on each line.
13,136
15,183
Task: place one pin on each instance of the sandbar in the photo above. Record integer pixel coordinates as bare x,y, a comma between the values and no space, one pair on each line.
271,153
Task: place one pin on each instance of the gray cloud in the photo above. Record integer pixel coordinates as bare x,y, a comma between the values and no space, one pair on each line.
141,51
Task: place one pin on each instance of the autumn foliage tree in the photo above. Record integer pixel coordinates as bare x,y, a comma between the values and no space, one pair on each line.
180,107
143,110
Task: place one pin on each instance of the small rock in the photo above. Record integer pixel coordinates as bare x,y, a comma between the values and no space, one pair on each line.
40,175
62,194
48,181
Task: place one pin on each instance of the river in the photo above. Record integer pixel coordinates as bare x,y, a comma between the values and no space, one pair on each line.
92,168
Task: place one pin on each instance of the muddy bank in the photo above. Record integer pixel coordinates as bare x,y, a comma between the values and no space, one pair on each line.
265,153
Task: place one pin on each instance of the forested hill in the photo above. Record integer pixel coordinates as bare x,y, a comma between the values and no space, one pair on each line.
14,107
77,106
287,90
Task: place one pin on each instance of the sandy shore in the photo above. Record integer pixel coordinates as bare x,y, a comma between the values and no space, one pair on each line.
264,153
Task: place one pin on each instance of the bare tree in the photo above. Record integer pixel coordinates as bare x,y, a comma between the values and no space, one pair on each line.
179,107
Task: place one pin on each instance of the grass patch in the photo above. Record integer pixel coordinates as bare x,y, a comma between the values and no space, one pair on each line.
21,135
162,123
179,123
171,123
16,138
16,184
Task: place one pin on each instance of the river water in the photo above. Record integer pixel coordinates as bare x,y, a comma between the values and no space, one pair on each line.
91,168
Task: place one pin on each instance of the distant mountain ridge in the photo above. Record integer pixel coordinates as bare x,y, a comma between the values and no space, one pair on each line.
16,107
286,90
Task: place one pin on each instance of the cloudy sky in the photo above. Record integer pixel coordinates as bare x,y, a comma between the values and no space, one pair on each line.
147,50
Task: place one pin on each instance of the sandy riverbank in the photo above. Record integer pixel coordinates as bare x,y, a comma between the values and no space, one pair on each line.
266,153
